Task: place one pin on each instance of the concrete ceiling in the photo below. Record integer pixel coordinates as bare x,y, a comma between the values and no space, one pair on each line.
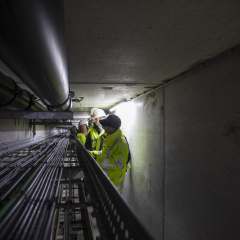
119,49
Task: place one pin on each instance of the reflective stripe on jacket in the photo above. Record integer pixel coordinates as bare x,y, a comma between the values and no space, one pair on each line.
82,138
99,145
90,127
94,137
114,158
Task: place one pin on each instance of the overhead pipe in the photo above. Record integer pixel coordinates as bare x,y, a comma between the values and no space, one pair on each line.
12,97
32,46
80,115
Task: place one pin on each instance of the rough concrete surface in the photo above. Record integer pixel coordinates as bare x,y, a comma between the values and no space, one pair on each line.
202,164
187,187
142,123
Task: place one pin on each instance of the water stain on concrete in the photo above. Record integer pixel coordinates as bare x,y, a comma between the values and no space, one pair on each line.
150,101
154,104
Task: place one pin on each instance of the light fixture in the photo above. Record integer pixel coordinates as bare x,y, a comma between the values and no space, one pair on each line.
84,116
114,107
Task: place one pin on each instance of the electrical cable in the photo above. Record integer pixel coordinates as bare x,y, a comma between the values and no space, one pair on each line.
59,211
35,195
24,151
36,219
44,195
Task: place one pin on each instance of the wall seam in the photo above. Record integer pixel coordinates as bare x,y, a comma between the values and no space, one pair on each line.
164,111
195,68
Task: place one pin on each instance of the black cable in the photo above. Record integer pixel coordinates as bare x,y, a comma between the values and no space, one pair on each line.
34,195
53,206
14,97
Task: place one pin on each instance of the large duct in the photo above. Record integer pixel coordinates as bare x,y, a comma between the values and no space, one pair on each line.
32,46
12,97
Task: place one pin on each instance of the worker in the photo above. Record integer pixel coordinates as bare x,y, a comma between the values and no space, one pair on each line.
91,114
90,125
81,131
114,156
94,141
92,111
82,125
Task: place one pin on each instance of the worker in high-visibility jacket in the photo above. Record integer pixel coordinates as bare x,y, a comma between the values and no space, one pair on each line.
91,115
90,126
114,156
94,141
81,131
82,125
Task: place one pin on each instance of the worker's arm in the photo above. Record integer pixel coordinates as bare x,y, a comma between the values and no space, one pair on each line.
117,160
88,143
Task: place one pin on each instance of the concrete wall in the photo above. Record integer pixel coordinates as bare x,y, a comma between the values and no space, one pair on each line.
184,180
17,129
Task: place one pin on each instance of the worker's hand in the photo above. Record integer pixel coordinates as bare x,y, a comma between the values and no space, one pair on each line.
94,156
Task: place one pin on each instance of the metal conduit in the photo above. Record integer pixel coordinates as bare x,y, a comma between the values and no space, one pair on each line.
8,148
33,47
17,162
39,172
27,205
12,97
39,155
20,226
33,207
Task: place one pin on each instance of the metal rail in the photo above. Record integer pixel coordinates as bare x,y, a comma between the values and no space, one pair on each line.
49,193
115,218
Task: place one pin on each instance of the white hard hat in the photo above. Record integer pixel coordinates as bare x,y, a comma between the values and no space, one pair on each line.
83,122
92,110
98,113
105,116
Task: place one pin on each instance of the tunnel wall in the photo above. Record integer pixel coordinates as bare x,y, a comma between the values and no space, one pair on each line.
18,129
185,145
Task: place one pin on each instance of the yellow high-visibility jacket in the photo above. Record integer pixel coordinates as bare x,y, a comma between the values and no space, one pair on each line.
97,151
114,158
94,137
82,138
90,127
